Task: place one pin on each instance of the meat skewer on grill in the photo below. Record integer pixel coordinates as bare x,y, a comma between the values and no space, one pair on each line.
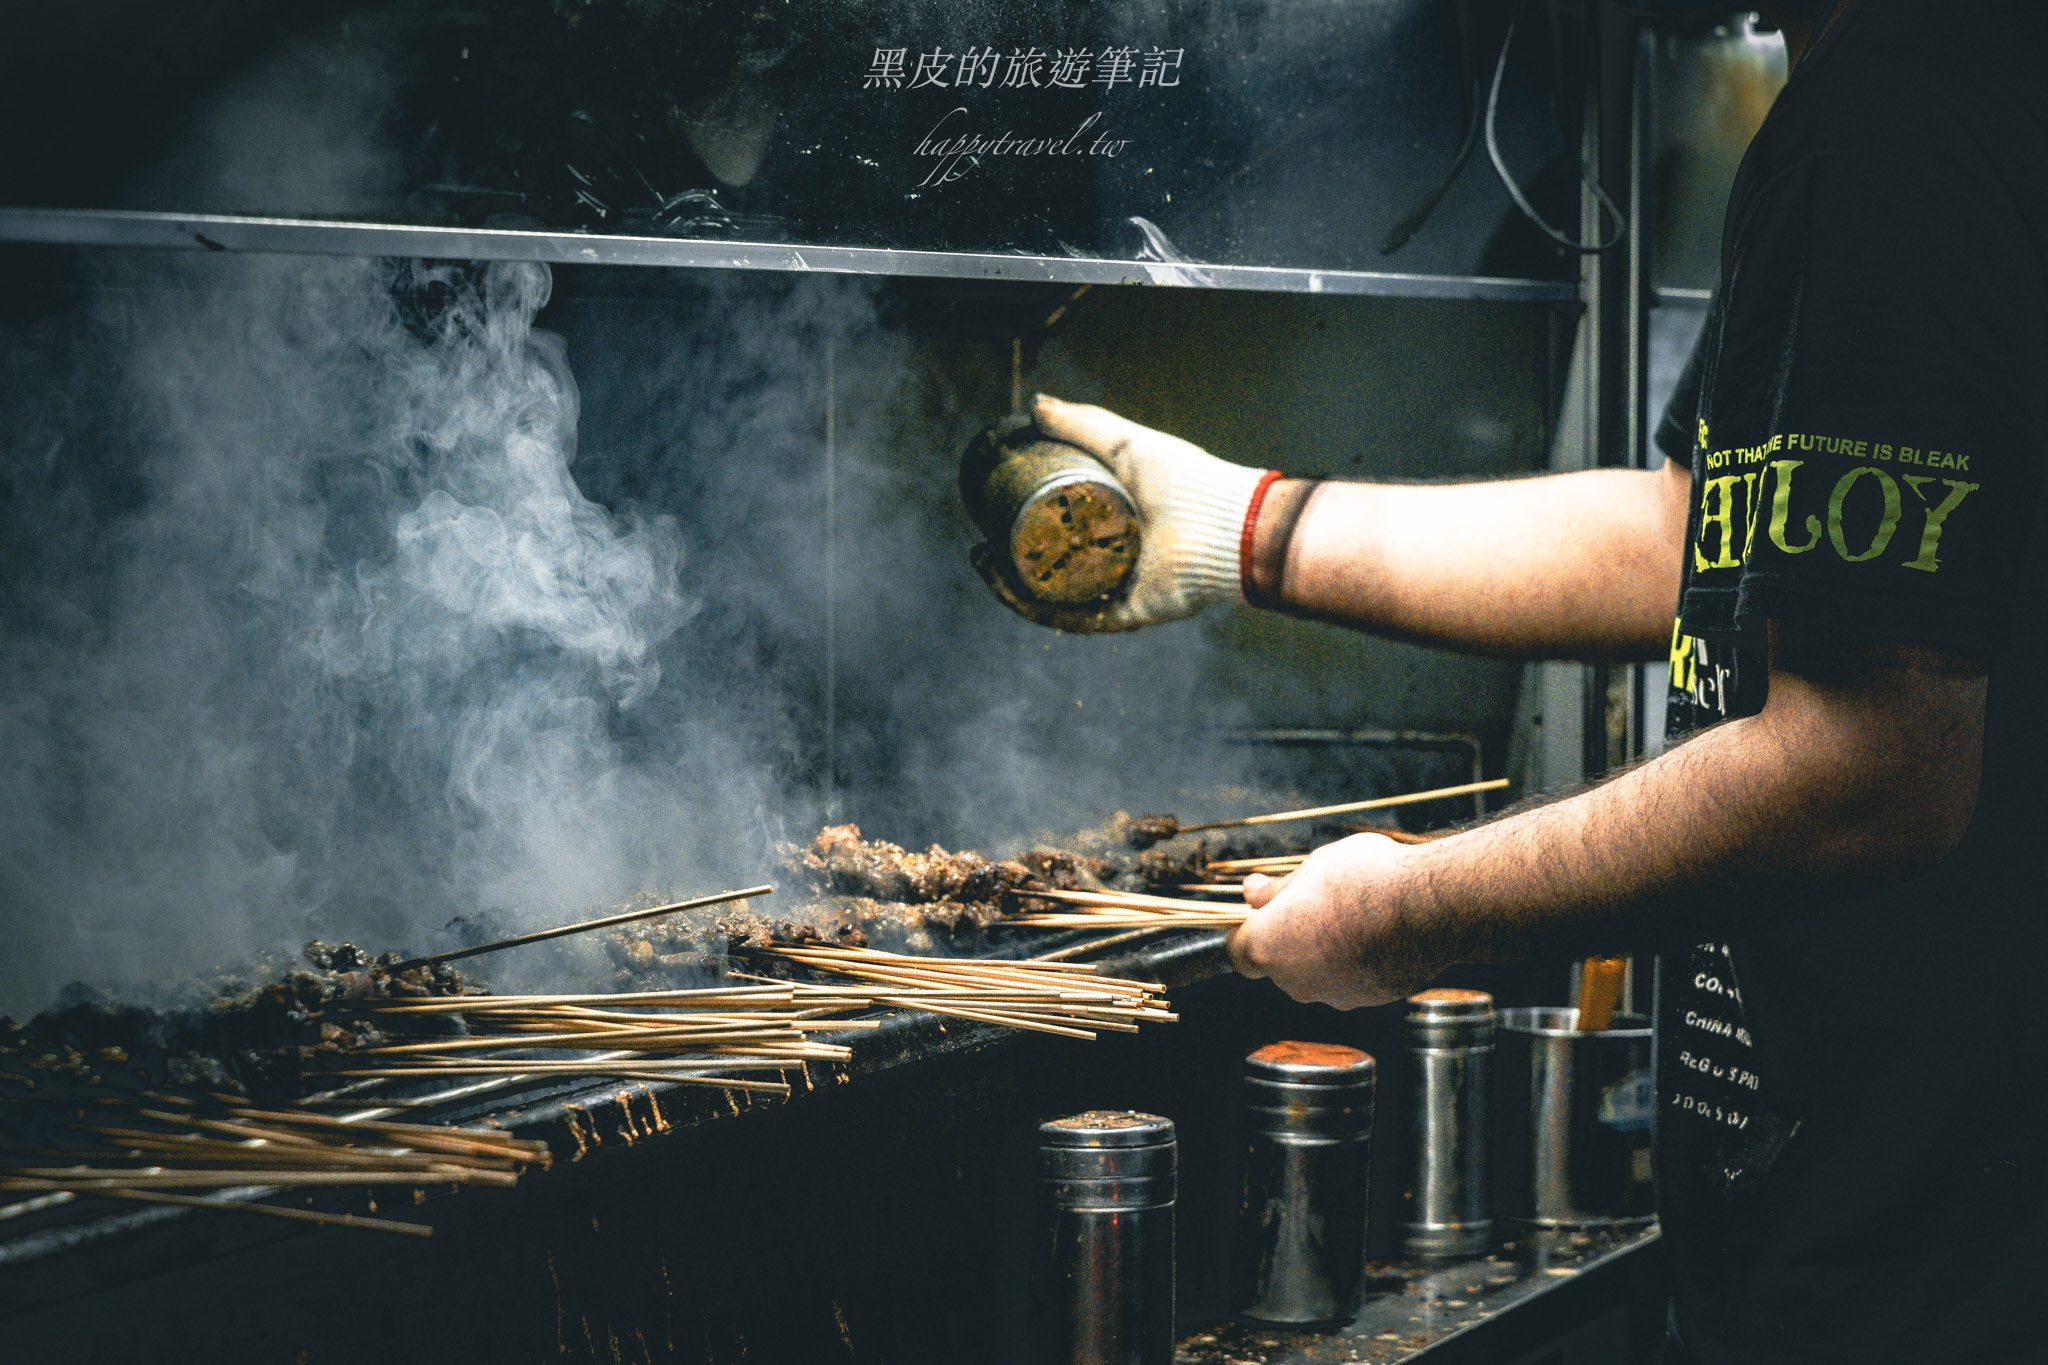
1151,829
583,927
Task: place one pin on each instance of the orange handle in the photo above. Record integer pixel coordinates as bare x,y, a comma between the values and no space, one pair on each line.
1600,981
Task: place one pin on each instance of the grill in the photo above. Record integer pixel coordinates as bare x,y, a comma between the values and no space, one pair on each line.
465,469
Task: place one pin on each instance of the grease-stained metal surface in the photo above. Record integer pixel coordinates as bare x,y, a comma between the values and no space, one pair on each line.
1411,1310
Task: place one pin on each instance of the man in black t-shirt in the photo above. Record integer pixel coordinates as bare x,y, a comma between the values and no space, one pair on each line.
1837,861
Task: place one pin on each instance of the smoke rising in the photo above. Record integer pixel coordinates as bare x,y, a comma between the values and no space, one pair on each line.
333,608
344,597
354,639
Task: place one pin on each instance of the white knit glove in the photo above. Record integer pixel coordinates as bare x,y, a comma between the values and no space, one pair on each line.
1191,510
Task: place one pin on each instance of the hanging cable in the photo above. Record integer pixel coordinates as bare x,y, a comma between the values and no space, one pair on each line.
1402,232
1500,165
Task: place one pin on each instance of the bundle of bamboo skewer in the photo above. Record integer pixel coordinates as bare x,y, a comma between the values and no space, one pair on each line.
173,1150
1279,865
1068,998
702,1037
1128,909
689,1037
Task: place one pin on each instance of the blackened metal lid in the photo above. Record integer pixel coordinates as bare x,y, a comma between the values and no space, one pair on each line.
1107,1128
1295,1063
1109,1159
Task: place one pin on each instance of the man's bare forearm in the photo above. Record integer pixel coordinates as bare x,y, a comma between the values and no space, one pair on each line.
1580,565
1833,787
1860,769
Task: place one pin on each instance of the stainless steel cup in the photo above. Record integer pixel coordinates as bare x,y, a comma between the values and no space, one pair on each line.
1576,1114
1299,1253
1103,1278
1450,1043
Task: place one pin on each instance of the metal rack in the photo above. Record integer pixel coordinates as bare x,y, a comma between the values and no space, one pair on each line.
295,236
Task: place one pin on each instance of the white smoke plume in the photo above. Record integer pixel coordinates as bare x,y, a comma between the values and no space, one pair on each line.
318,622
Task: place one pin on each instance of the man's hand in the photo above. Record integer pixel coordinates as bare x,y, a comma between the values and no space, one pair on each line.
1191,509
1336,932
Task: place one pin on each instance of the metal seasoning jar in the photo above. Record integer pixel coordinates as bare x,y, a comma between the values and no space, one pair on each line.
1057,522
1299,1253
1103,1275
1450,1043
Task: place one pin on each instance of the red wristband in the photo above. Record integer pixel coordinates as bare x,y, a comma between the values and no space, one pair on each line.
1244,540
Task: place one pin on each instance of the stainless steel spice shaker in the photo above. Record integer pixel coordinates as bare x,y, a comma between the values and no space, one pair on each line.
1058,525
1299,1253
1103,1277
1450,1044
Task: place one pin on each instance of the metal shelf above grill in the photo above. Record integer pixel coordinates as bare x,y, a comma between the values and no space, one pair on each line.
301,236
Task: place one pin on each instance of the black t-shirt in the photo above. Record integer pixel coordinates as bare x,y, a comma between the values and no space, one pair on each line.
1850,1146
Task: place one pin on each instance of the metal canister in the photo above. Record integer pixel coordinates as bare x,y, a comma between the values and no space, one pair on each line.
1103,1278
1299,1253
1575,1114
1056,520
1450,1043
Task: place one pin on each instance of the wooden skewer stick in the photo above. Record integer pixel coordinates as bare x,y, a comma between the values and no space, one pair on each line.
678,1041
304,1151
1378,803
584,927
939,985
771,993
1123,919
416,1133
1124,900
286,1161
1399,836
710,1070
83,1178
797,1019
336,1220
1287,863
948,968
1027,964
624,1073
1015,1021
1027,972
1097,945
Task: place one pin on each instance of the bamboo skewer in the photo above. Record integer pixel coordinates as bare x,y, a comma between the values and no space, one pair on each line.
708,1038
701,1037
339,1220
94,1178
332,1220
1124,919
1105,909
609,1070
1094,945
1067,999
781,992
419,1134
1316,812
1272,867
582,927
240,1147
